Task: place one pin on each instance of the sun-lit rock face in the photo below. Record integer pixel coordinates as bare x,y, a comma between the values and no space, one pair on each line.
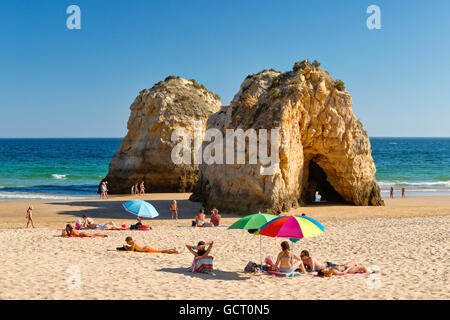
145,152
323,147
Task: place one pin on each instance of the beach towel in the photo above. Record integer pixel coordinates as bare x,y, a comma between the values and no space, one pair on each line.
202,264
281,274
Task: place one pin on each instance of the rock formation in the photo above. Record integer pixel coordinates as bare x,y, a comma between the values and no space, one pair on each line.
145,152
323,147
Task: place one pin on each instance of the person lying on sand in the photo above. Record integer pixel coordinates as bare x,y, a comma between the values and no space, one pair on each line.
132,245
285,260
342,269
70,232
201,248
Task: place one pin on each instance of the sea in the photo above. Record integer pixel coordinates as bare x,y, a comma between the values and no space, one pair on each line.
69,168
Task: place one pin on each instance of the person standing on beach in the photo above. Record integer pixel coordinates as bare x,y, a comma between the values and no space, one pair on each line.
29,216
174,209
392,193
136,188
142,188
403,192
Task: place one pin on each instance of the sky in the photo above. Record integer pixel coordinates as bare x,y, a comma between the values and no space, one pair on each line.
56,82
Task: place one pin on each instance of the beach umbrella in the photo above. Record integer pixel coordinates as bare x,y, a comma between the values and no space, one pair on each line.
292,227
140,208
253,222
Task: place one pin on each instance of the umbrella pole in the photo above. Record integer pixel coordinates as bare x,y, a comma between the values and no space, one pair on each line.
260,251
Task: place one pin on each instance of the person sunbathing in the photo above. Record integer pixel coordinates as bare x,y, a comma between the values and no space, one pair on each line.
285,260
201,248
70,232
311,263
132,245
351,267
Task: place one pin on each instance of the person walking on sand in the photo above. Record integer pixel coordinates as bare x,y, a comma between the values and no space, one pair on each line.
392,193
142,188
403,192
136,188
174,209
29,216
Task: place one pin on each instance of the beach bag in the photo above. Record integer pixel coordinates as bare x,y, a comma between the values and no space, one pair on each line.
251,267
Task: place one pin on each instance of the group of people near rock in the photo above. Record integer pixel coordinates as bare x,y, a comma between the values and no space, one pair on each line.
200,219
104,190
138,188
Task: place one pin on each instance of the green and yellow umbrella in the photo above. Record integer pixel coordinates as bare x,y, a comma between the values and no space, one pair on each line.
253,222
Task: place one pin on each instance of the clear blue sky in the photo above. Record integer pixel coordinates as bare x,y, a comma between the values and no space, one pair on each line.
56,82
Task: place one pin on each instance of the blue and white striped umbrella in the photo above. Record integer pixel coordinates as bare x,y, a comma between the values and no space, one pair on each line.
140,208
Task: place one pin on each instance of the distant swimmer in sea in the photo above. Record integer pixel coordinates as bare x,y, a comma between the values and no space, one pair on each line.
403,192
29,216
70,232
392,193
132,245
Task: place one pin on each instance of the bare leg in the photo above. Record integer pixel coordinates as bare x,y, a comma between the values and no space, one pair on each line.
171,250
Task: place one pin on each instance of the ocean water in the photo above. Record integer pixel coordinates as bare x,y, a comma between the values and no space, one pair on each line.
61,169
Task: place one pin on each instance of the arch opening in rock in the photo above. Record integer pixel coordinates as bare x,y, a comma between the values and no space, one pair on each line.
317,182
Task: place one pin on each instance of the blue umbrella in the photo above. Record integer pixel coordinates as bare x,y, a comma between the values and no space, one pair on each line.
140,208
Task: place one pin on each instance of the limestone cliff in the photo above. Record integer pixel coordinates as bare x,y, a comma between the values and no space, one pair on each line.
145,152
323,146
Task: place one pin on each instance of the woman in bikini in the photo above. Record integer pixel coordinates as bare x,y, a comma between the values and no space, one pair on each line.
134,246
285,260
70,232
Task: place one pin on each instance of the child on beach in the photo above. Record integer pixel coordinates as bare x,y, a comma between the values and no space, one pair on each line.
132,245
29,216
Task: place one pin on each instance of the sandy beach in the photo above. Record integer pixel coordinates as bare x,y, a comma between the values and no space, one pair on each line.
408,240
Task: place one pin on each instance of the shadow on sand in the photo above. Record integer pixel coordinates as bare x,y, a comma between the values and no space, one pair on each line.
110,209
217,275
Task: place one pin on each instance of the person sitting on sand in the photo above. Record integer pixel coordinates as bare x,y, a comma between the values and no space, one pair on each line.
132,245
215,218
29,216
202,250
200,219
70,232
88,223
285,260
